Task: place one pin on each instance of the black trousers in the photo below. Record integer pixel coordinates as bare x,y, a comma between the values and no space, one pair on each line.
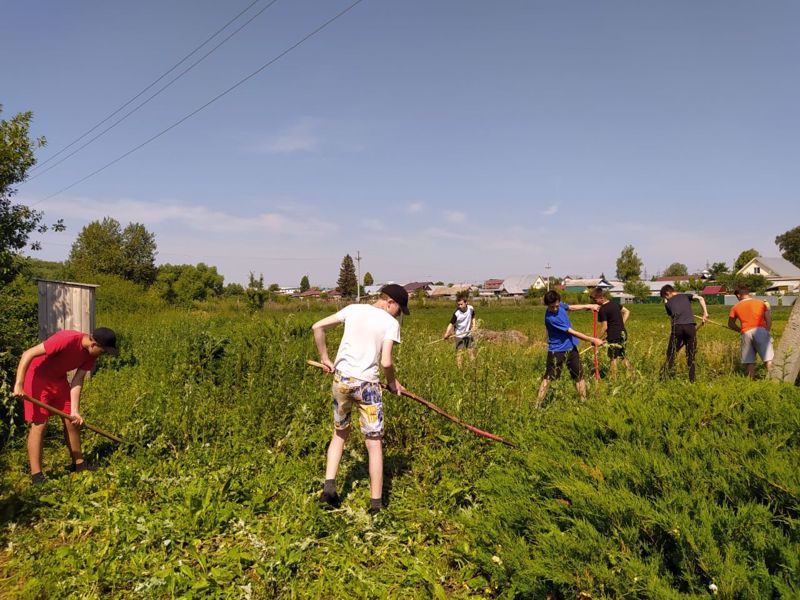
682,336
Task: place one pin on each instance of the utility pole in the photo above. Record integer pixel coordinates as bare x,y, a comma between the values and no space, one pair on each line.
358,276
547,268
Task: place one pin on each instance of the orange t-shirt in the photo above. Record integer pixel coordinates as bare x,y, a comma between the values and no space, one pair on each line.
750,313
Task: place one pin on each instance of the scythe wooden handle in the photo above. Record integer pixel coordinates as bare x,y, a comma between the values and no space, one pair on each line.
437,410
61,413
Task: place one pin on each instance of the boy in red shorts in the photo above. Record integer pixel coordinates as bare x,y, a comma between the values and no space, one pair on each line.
42,374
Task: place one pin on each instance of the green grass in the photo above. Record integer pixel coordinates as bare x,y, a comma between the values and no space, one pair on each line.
649,489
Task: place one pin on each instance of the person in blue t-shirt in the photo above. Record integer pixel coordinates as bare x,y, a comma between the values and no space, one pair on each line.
562,343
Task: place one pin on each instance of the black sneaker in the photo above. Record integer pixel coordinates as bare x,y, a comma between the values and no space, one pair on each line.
37,478
84,466
374,510
330,500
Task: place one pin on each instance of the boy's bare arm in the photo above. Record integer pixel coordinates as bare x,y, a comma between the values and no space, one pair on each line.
594,307
75,387
388,367
585,338
22,368
702,302
319,328
625,314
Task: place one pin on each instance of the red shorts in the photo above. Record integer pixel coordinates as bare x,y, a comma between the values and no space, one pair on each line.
52,393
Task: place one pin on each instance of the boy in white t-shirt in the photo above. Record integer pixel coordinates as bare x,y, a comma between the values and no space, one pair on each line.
460,326
370,332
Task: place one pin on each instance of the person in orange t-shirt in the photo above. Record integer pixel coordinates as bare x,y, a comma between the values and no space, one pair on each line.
755,321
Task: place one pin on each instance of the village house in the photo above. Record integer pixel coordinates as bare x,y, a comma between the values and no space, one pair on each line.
518,285
414,287
584,285
491,287
784,276
451,291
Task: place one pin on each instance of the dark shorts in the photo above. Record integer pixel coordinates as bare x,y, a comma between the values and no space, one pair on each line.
616,348
465,342
556,360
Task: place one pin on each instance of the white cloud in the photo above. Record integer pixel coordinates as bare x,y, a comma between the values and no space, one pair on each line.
549,211
192,216
301,137
415,207
454,216
373,224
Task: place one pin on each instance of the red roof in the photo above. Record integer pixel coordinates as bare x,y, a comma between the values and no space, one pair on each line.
711,290
310,293
492,284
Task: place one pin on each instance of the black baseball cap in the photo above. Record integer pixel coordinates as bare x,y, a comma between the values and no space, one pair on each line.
399,294
106,339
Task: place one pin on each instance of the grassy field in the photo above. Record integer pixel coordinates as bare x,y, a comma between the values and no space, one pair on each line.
649,489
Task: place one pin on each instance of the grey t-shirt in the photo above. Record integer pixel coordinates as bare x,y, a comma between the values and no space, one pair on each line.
679,307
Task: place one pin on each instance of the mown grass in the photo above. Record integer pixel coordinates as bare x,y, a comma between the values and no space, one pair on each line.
649,489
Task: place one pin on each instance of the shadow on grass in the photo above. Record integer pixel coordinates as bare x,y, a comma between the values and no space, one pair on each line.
394,465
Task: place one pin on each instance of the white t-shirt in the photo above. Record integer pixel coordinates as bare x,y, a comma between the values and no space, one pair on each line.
462,321
366,327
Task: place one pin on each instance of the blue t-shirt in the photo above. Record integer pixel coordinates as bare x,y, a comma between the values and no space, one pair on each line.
557,323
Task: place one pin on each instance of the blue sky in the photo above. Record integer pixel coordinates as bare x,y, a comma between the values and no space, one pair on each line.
452,140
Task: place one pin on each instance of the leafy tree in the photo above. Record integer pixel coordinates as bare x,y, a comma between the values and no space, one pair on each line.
676,269
789,243
757,284
347,284
693,284
139,250
103,248
717,269
98,250
745,257
368,280
185,284
304,284
629,265
18,322
636,288
255,293
274,288
17,222
233,289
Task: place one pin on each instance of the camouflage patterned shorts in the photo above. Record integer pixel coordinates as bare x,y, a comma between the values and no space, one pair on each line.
366,395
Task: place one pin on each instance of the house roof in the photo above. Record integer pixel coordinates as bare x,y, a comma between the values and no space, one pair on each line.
710,290
415,285
519,284
596,282
445,290
314,291
780,267
492,284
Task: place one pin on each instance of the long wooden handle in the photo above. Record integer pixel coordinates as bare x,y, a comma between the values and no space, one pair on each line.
435,409
61,413
718,324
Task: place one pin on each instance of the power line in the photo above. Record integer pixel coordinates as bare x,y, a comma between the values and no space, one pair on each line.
140,105
210,102
171,69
